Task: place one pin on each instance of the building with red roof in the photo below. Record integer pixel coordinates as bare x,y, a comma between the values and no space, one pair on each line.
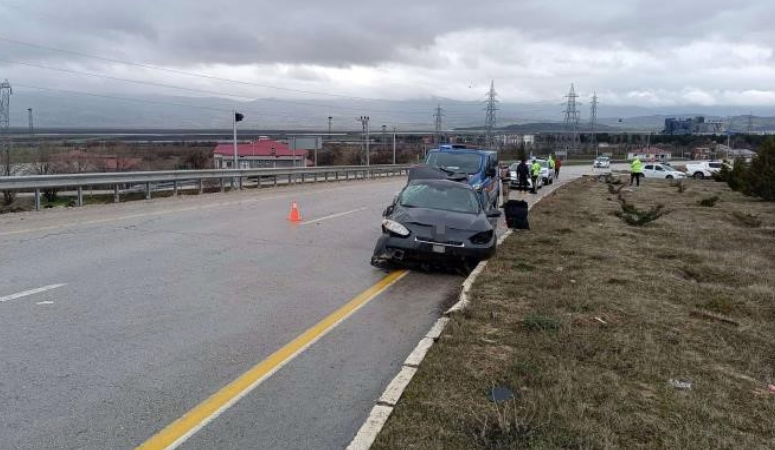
261,154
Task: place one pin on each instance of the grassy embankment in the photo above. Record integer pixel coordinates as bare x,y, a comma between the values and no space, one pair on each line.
587,320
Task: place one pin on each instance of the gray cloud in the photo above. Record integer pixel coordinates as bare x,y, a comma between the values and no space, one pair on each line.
685,50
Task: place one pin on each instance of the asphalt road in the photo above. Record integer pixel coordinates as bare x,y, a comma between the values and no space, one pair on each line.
117,320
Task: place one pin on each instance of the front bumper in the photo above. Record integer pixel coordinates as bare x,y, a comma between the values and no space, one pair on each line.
412,249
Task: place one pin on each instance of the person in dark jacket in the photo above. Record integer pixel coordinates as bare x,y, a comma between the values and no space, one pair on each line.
523,174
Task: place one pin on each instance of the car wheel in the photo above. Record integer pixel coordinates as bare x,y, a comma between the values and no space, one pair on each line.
669,177
699,175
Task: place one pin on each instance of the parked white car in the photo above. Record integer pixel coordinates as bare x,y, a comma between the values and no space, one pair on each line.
547,175
703,169
602,162
514,183
656,170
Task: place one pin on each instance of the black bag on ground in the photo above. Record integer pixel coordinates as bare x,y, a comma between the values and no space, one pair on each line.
516,214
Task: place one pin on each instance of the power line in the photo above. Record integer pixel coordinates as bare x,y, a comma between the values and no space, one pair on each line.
181,72
190,106
202,91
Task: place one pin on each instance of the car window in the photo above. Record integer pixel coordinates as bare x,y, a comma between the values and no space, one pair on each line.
660,168
446,198
714,165
459,162
649,167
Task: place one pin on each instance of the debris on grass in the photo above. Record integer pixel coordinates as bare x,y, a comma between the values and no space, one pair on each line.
683,385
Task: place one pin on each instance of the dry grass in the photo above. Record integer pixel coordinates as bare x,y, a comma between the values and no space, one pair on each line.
587,319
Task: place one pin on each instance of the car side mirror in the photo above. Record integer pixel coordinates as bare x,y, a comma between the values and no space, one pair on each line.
494,213
389,210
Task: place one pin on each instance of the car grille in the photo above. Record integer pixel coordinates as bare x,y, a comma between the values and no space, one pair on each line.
428,240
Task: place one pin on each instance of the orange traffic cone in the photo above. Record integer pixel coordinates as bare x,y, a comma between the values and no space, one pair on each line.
295,215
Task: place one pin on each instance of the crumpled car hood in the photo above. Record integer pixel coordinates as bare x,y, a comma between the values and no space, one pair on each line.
435,218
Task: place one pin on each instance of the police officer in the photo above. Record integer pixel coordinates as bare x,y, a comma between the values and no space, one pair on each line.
535,172
636,171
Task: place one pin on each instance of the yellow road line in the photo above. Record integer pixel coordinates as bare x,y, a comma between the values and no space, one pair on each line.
180,430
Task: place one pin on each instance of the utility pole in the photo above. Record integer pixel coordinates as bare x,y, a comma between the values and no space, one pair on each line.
383,140
572,119
29,116
394,146
5,121
364,120
490,112
593,121
437,116
329,127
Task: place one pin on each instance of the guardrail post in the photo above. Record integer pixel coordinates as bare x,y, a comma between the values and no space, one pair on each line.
201,186
116,197
326,177
303,180
37,199
223,184
239,183
258,182
147,191
80,196
175,188
275,181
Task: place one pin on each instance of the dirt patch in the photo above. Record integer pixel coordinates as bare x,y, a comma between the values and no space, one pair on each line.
608,335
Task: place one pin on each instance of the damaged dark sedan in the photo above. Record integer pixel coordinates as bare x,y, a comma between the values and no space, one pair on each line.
436,223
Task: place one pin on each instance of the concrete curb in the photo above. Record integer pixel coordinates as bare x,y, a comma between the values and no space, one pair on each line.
392,394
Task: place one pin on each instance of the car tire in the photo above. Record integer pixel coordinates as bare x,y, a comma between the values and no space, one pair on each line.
669,177
699,175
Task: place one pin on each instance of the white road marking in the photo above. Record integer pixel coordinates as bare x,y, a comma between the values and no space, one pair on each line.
45,303
332,216
31,292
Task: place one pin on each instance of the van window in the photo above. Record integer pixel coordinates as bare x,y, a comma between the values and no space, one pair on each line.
468,163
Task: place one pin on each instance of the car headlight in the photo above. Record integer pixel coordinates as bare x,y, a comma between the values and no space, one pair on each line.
478,186
395,228
482,238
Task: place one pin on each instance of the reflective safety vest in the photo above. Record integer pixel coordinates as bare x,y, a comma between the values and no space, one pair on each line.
551,163
636,166
535,169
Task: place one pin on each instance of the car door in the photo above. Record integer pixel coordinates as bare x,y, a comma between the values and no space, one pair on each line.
648,170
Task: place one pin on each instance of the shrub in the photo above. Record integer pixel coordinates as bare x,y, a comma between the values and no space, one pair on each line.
761,173
709,202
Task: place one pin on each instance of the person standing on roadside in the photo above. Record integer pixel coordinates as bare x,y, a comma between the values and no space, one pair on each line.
551,164
636,171
557,164
523,175
535,172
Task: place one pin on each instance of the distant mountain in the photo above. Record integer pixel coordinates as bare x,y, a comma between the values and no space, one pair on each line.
62,110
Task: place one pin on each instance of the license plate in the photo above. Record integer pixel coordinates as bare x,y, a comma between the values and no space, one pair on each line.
438,249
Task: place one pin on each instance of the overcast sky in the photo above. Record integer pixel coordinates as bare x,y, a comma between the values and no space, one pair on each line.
652,53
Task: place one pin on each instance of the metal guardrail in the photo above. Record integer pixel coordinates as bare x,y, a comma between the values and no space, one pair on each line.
237,178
